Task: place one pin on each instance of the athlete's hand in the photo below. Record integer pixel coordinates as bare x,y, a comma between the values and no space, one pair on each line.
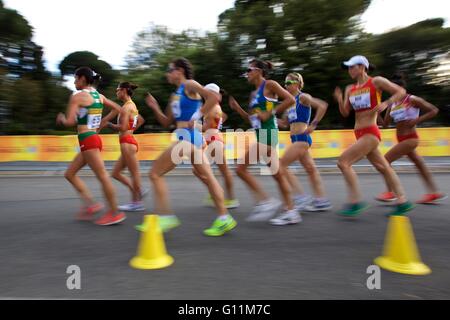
337,95
60,118
151,102
310,129
380,107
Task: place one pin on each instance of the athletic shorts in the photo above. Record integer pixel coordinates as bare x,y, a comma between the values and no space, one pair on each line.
267,136
369,130
89,140
301,138
413,135
130,140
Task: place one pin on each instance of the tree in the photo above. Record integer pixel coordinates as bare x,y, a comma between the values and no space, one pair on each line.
86,58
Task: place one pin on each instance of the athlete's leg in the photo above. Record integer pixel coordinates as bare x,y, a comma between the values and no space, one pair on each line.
129,152
70,174
117,173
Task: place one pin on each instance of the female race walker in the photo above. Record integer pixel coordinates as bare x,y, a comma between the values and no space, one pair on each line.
301,129
263,108
185,107
128,121
406,115
365,98
85,110
212,124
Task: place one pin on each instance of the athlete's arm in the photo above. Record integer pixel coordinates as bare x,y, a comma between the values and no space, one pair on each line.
106,119
164,119
387,118
140,122
320,106
234,105
343,102
430,110
70,118
397,92
287,99
124,118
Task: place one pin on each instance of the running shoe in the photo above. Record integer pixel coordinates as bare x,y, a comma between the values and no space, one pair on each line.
133,206
109,219
354,209
264,210
401,209
166,223
318,205
232,203
432,198
87,213
301,201
287,217
386,197
220,227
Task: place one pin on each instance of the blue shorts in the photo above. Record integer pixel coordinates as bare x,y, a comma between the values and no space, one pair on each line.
191,135
301,138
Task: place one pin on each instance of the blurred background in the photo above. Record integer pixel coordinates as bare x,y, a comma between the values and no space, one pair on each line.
307,36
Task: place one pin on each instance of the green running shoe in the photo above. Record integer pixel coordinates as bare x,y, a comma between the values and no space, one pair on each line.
220,227
401,209
165,222
231,203
354,209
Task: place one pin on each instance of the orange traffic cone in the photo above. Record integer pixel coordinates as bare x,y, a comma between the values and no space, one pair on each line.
152,252
400,252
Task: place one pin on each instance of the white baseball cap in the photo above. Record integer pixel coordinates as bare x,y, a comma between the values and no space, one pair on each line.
356,60
212,87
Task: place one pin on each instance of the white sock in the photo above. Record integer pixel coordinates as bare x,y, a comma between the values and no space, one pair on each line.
224,217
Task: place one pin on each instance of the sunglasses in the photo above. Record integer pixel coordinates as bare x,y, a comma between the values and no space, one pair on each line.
289,82
250,69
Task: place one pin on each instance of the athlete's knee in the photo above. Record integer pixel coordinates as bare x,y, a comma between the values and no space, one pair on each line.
310,168
116,175
69,175
343,164
241,170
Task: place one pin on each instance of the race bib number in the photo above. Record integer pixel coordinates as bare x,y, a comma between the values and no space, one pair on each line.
135,121
360,99
176,110
93,120
255,121
292,114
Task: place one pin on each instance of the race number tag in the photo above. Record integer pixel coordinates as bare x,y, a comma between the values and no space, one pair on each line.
94,119
135,121
292,114
255,121
360,99
176,110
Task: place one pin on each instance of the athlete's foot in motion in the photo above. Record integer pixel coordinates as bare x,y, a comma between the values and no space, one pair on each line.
432,198
386,197
109,219
87,213
354,209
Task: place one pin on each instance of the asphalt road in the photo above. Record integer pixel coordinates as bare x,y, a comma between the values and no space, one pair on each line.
325,257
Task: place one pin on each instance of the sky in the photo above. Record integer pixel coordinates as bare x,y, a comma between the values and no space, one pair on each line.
108,27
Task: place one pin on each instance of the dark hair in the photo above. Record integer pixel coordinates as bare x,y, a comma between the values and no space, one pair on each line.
184,64
129,86
265,66
90,76
399,78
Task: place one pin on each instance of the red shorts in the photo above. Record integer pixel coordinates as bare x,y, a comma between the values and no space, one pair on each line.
413,135
91,142
369,130
215,137
129,139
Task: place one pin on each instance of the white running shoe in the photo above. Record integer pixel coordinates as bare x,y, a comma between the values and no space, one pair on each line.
133,207
302,201
319,205
287,217
264,210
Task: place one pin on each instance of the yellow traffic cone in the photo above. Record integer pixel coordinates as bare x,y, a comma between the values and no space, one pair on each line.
400,252
152,252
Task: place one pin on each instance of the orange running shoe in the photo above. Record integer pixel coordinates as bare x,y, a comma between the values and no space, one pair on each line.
109,219
386,197
432,198
87,213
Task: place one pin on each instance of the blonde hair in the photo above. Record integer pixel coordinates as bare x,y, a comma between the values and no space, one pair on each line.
297,77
